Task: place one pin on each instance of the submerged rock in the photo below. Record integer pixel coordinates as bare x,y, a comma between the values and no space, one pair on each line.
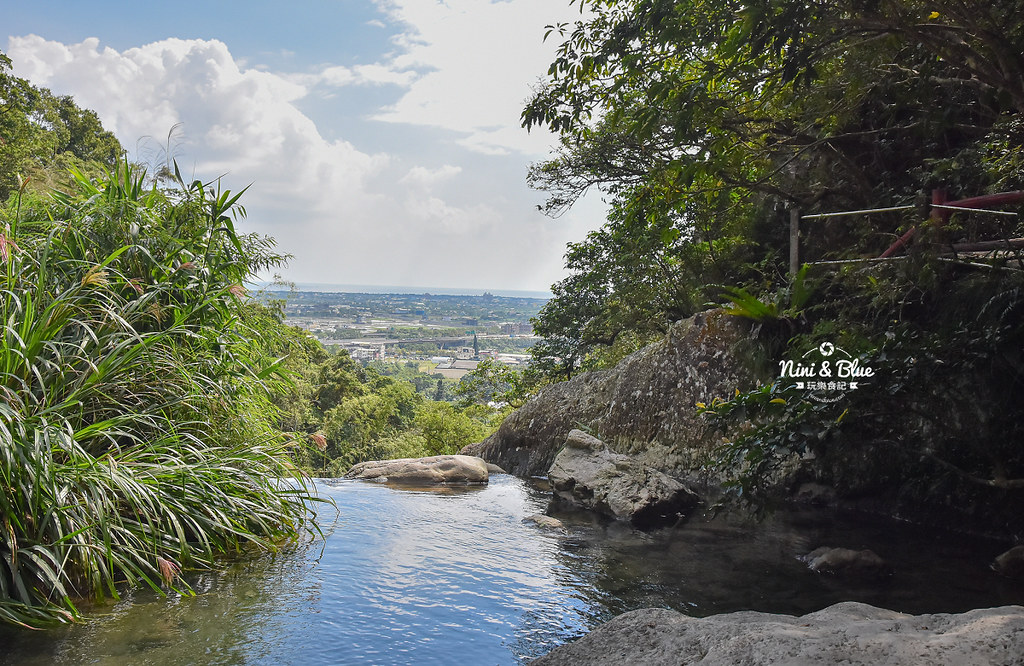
849,633
816,494
845,561
433,470
587,474
1011,563
548,522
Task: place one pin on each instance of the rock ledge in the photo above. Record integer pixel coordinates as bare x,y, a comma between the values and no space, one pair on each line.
847,633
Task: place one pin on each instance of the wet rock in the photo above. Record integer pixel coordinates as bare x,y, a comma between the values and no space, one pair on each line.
456,469
545,521
845,561
585,473
849,633
815,493
1011,563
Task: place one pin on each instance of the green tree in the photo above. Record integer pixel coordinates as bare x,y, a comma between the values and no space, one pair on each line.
492,381
705,121
42,135
445,429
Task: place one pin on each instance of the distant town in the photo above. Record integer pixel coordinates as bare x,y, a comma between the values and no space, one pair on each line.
453,332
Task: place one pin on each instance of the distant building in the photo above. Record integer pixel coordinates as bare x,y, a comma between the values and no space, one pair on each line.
521,328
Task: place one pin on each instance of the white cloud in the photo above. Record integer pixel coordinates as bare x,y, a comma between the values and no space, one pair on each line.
339,76
480,59
351,214
422,176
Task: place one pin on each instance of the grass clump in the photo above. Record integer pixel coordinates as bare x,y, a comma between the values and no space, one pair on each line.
135,438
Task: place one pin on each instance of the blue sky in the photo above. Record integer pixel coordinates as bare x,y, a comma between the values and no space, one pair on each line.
381,137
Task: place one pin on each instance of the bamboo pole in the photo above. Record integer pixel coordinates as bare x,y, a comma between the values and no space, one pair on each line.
794,241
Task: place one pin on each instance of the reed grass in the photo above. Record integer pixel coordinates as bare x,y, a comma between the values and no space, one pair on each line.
134,438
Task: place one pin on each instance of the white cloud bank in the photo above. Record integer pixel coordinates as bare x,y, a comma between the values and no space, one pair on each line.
350,216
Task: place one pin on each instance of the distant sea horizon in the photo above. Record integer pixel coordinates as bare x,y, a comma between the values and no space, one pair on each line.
395,289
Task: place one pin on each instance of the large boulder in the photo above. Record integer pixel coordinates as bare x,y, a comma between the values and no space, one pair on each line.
848,633
456,469
585,473
644,406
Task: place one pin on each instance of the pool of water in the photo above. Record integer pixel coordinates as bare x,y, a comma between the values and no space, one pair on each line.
456,576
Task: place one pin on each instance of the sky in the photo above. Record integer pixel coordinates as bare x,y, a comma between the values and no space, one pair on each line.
381,138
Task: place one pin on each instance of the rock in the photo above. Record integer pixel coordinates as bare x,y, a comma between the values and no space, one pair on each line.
1011,563
815,493
494,469
645,406
844,561
456,469
577,439
545,521
587,474
849,633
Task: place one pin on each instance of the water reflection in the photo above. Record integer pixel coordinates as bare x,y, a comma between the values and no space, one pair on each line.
407,576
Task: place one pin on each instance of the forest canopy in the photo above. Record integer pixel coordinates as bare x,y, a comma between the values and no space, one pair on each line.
705,122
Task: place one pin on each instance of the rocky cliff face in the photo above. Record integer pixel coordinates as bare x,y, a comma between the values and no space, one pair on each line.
644,407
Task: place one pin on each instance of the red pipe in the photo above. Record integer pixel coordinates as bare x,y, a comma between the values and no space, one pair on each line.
941,216
989,200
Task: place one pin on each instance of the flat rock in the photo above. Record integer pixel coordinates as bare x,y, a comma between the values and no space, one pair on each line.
846,561
586,474
849,633
455,469
548,522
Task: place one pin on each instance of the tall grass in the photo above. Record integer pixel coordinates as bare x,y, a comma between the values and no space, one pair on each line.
134,439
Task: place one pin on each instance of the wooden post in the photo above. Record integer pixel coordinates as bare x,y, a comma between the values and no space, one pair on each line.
794,241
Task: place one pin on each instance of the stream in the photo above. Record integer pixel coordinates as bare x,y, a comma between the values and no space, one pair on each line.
456,576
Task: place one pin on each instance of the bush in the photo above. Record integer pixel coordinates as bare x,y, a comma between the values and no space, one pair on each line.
135,439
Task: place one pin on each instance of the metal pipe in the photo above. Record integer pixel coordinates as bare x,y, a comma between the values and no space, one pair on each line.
952,206
856,212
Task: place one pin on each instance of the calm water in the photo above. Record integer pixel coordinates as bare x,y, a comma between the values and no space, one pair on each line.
442,577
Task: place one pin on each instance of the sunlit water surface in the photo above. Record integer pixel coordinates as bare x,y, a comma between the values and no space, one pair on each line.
456,577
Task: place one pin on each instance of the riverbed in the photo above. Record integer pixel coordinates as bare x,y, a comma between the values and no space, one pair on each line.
456,576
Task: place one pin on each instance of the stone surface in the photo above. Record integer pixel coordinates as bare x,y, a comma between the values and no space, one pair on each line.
845,561
1011,563
848,633
585,473
456,469
541,520
644,407
815,493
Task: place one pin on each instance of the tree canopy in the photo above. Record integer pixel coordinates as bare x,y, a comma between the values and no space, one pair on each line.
704,121
42,134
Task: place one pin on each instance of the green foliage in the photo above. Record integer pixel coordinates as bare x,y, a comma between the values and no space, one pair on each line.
492,381
134,436
939,415
445,429
788,302
42,136
351,413
774,427
704,122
